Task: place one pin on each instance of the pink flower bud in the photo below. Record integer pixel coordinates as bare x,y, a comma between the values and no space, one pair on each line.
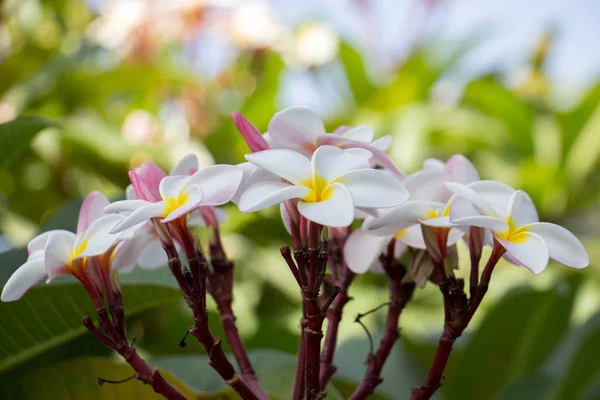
251,135
146,180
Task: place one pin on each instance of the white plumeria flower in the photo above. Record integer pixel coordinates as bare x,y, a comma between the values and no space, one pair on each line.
301,129
426,205
328,187
62,252
180,194
513,220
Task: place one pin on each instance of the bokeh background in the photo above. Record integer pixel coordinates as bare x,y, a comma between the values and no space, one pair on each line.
513,85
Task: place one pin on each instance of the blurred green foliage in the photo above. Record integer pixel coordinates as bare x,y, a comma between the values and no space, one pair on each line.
535,338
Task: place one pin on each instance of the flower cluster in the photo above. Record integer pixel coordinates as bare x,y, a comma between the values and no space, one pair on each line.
322,183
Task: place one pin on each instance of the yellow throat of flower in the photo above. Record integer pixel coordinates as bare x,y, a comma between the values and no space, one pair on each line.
513,234
173,203
319,189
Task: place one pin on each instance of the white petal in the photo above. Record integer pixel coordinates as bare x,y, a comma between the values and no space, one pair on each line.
362,153
374,189
361,133
399,218
434,163
459,169
188,165
427,185
153,256
126,255
97,238
298,126
39,242
530,251
251,176
287,164
467,193
26,276
364,212
130,193
266,194
522,209
194,197
563,246
172,186
57,256
91,209
412,237
336,211
330,162
440,222
125,206
219,183
143,214
496,193
285,218
454,236
362,249
464,213
383,143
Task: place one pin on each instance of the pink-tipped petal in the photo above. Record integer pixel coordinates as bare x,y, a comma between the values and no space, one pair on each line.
251,135
188,165
146,180
219,183
379,155
459,169
336,211
363,249
25,277
563,246
91,209
529,250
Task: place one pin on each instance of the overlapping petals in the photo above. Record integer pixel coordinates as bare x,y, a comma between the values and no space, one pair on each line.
180,194
512,218
329,186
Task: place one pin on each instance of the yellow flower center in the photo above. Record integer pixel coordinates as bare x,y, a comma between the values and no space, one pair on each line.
173,203
320,190
513,234
79,248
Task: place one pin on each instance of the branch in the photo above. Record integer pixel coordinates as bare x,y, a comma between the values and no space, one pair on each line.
400,295
143,372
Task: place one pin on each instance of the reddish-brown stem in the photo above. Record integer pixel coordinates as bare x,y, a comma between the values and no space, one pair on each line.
143,372
400,295
299,382
334,317
458,315
314,334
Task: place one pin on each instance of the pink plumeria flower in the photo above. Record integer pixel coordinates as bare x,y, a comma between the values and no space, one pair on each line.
426,205
301,129
172,197
59,252
329,187
513,220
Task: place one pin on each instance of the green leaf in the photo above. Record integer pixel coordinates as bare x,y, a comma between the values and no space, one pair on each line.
276,371
536,386
77,379
16,135
514,340
49,316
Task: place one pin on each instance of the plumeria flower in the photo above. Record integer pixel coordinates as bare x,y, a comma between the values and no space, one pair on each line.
513,220
169,198
427,205
59,252
301,129
144,240
328,187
